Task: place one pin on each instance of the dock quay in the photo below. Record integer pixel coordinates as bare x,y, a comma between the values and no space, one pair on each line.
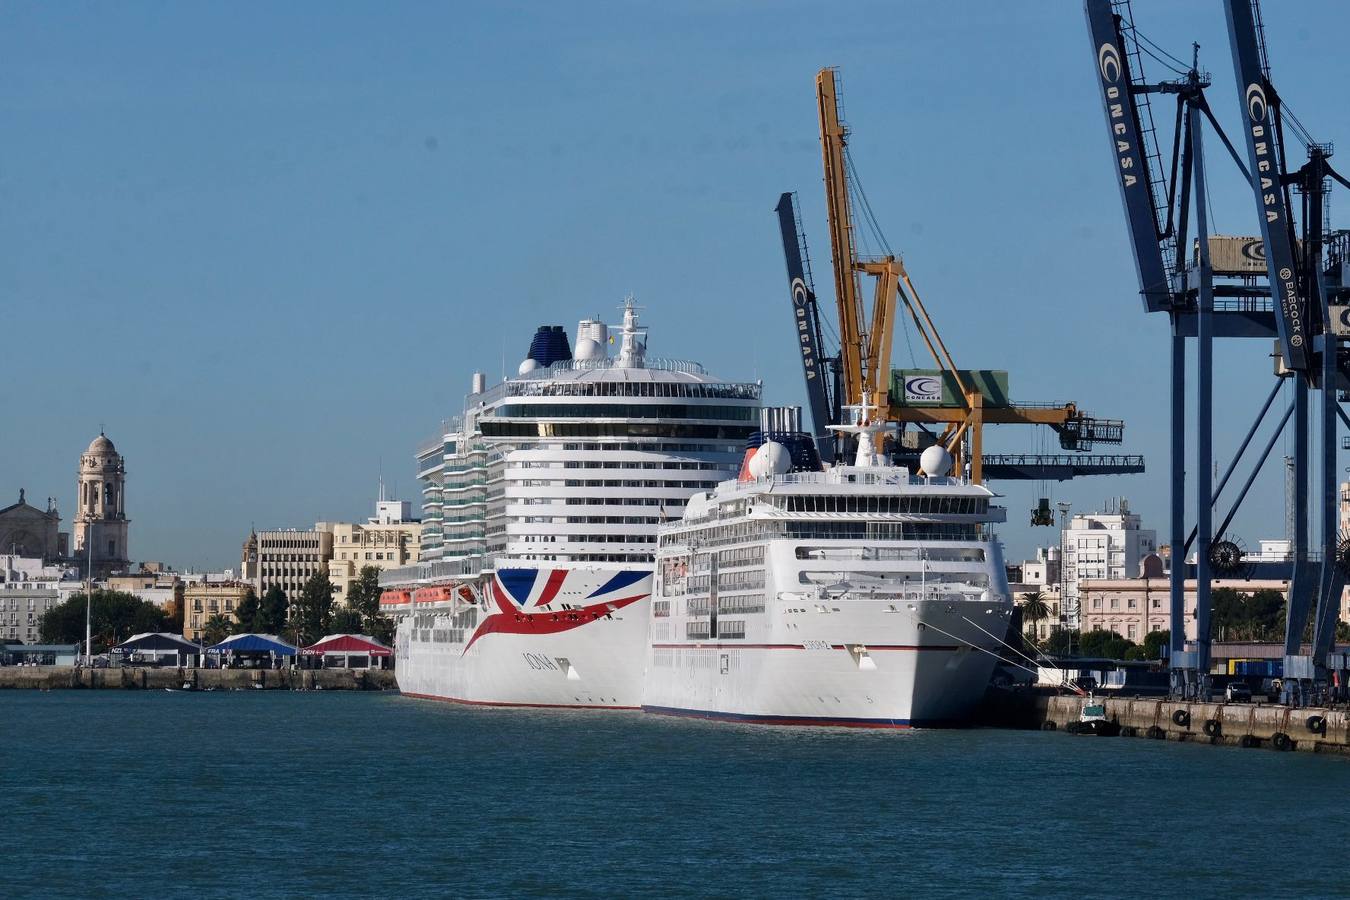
47,678
1248,725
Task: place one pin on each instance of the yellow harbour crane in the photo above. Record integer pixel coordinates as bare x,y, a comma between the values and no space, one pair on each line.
863,367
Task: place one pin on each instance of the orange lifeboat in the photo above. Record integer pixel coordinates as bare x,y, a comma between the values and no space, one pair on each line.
438,594
395,598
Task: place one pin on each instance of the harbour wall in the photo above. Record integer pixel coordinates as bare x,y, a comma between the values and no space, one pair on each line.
48,678
1251,725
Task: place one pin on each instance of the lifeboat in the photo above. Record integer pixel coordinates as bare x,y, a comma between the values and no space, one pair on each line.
395,598
437,594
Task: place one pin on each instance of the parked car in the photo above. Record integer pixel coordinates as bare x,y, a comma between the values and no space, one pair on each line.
1237,692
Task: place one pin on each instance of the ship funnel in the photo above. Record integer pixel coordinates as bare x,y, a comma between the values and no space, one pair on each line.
479,383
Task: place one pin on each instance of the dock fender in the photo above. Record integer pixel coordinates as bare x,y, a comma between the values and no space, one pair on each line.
1317,724
1250,740
1048,725
1181,717
1280,741
1155,733
1212,727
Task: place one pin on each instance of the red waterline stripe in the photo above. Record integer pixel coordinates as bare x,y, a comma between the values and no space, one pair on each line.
502,703
868,647
749,719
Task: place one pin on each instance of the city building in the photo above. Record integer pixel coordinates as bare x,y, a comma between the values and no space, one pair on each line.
28,588
389,539
101,524
286,558
1132,607
204,599
1107,545
1038,576
32,533
160,588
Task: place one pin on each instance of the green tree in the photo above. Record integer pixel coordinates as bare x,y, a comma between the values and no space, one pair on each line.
1104,644
364,597
273,612
1228,615
115,616
347,621
1156,643
1059,641
1265,615
217,628
246,613
312,612
1034,608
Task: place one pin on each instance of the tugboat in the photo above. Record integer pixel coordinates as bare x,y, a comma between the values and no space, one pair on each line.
1092,720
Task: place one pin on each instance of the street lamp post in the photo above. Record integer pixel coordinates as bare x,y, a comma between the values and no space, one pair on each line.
1064,571
88,601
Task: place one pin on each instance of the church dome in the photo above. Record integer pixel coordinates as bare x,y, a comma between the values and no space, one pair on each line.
101,446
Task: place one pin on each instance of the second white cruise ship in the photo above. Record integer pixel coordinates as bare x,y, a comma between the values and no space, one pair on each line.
857,595
540,512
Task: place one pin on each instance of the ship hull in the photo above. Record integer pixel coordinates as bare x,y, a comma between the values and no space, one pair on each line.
861,666
557,637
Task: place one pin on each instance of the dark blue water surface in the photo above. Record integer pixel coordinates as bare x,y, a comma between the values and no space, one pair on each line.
129,794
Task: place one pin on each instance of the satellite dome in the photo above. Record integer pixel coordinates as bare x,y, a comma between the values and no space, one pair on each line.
935,461
526,367
772,458
588,349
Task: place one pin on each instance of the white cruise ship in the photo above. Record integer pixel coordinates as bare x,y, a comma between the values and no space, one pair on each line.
540,512
855,595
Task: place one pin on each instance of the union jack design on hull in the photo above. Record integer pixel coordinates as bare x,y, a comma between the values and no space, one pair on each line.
523,601
555,636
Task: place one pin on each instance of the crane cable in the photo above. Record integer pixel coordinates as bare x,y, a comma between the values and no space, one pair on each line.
870,219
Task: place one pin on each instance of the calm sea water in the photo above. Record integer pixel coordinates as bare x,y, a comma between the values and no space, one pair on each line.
128,794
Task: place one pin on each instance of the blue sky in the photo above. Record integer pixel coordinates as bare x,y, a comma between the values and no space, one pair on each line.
266,244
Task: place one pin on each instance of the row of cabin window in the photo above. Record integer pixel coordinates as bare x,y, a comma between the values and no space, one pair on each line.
882,504
624,411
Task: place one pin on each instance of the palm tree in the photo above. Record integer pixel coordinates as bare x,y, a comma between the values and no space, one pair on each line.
217,629
1034,609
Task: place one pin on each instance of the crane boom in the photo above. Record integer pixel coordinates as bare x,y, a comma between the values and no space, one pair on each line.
806,320
1134,175
833,137
1259,102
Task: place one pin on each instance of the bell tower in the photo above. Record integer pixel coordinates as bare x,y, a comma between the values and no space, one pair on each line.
101,521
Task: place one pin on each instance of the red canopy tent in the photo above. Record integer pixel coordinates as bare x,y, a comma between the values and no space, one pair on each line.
346,646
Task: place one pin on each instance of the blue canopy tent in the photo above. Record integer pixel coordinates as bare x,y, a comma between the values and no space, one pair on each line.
246,649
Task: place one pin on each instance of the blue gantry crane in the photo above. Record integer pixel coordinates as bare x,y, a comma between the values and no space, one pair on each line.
1298,306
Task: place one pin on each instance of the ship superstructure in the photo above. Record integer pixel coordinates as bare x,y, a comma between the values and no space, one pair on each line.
541,510
858,595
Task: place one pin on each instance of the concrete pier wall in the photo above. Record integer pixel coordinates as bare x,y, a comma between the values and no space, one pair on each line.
65,677
1308,729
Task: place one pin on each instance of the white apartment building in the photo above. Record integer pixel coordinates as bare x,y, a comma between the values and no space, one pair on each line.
27,590
1107,545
